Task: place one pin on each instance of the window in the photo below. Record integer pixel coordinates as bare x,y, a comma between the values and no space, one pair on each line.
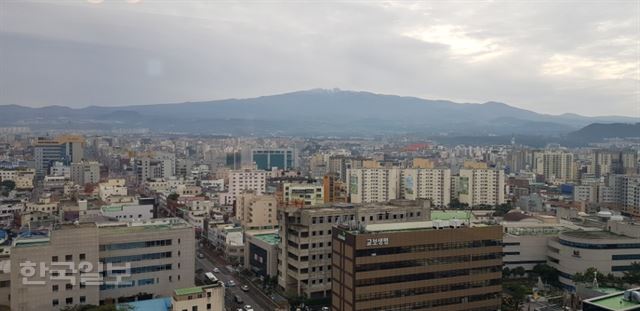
68,257
68,286
83,256
54,288
194,308
54,259
208,306
69,300
83,299
55,302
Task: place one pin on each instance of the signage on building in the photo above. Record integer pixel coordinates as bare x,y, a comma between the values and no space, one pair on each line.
377,241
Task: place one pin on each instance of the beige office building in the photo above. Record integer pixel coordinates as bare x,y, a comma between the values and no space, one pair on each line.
65,261
255,211
199,298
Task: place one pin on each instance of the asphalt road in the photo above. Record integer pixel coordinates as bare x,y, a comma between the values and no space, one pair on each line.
252,297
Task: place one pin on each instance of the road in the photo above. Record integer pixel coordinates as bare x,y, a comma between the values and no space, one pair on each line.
253,297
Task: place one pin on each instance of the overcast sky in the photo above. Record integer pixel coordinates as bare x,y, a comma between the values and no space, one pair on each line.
548,56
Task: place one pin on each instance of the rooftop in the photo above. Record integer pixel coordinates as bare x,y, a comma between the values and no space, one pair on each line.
147,225
448,215
270,238
158,304
415,226
596,235
614,302
188,291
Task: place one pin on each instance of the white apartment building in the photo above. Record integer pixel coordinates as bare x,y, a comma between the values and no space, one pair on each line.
302,194
22,177
85,172
481,186
128,212
244,180
384,184
113,187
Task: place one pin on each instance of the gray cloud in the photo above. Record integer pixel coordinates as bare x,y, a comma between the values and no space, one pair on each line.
547,56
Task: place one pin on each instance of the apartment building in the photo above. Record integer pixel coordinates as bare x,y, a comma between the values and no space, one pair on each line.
23,178
301,194
481,186
304,261
64,263
384,184
334,190
85,172
256,211
424,265
242,181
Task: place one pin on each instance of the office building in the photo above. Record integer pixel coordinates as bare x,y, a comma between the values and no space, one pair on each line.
159,253
261,252
85,172
255,211
66,149
480,187
425,265
304,261
268,159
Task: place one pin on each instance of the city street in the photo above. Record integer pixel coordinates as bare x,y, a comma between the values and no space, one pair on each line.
253,297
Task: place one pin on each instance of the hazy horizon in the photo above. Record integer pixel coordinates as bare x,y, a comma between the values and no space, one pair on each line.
547,57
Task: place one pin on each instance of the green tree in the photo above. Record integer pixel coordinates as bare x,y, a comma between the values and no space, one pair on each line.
456,204
7,186
516,296
519,271
502,209
173,197
506,272
632,276
547,273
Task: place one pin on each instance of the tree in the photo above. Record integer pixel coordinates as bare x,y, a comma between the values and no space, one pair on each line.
547,273
506,272
632,276
517,293
173,197
502,209
456,204
7,186
519,271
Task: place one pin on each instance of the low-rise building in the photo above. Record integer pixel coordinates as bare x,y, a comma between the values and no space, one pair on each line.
261,252
199,298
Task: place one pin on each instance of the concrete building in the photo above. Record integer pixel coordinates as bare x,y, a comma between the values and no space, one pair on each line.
23,178
611,251
261,252
199,298
427,265
481,186
112,187
558,166
334,190
301,194
431,184
373,185
304,261
85,172
228,239
128,212
64,262
268,159
66,149
242,181
256,211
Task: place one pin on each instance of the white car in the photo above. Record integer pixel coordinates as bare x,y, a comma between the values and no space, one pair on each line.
231,283
248,308
216,270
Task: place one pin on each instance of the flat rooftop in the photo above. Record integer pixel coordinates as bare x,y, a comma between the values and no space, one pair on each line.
448,215
188,291
270,238
147,225
596,235
415,226
614,302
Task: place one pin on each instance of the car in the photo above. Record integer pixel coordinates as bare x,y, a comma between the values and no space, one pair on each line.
239,300
244,288
200,255
247,308
325,309
216,270
231,283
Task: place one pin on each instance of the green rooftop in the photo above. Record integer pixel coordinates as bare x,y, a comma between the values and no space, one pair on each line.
448,215
270,238
188,291
613,302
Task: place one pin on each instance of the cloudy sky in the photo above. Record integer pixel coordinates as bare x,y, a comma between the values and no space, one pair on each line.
547,56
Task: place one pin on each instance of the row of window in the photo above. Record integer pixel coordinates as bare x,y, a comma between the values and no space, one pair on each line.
599,246
427,247
68,301
435,303
132,258
68,258
427,276
425,262
132,245
625,257
426,290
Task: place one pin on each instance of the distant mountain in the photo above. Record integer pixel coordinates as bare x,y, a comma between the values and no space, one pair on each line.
599,131
312,112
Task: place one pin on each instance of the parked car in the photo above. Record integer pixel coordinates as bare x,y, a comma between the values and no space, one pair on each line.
216,270
200,255
238,299
231,283
247,308
244,288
